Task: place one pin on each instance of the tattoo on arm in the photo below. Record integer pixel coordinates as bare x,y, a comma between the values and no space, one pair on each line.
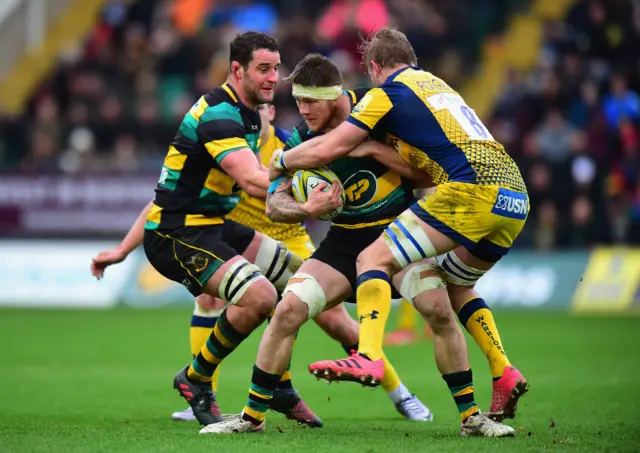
282,207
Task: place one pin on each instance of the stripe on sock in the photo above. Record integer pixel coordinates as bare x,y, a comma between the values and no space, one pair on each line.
252,416
470,308
203,321
213,352
228,330
372,275
260,394
461,387
222,339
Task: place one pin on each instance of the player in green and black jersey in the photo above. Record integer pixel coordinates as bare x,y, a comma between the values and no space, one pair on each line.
375,194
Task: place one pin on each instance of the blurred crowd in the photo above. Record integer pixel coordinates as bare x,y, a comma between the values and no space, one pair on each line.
113,102
572,125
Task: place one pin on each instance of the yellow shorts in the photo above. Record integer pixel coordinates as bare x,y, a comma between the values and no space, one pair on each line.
484,219
301,246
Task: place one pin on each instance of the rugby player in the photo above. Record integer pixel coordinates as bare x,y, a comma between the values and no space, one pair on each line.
478,208
335,322
375,195
250,212
187,238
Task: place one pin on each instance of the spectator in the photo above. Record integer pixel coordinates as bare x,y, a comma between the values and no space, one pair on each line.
621,102
591,154
571,123
556,139
582,230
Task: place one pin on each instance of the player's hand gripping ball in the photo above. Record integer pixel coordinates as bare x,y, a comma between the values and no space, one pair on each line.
304,181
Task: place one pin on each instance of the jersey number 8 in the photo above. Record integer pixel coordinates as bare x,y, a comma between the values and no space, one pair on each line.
464,115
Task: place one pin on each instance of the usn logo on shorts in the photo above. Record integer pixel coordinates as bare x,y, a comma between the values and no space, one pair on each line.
511,204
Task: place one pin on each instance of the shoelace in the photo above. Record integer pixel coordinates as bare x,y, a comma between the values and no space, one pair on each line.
412,405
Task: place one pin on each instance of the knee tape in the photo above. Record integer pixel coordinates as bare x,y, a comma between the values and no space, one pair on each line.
458,273
238,278
407,240
199,311
308,291
415,282
276,262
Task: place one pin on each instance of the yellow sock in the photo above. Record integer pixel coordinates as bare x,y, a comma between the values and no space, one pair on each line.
477,318
407,317
374,305
391,380
214,379
197,337
199,333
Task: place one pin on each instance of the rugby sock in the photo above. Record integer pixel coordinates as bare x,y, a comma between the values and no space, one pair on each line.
391,381
199,332
461,388
223,340
399,394
475,315
260,394
407,316
373,292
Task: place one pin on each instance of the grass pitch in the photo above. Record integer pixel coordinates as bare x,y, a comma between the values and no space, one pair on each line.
100,381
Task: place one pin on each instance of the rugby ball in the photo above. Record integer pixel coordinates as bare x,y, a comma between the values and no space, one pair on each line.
304,181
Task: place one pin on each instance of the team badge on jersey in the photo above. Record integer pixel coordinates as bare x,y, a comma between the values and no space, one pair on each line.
360,189
362,104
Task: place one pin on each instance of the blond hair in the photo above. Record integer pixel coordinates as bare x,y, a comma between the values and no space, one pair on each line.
388,47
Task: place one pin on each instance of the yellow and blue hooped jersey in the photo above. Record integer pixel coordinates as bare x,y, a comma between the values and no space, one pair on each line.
433,129
374,195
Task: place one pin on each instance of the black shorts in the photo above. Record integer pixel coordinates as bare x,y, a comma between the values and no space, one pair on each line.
340,250
190,255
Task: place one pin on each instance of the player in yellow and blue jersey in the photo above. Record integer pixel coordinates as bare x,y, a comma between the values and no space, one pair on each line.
328,277
476,211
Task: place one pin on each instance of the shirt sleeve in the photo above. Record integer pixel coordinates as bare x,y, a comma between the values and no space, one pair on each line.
371,109
294,140
222,133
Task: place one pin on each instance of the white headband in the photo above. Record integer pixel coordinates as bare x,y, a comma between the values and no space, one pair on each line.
326,93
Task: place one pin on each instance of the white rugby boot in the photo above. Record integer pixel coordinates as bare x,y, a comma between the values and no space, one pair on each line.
183,416
412,408
232,425
482,426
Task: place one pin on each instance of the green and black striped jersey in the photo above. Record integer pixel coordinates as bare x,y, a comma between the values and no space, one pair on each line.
193,188
374,195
